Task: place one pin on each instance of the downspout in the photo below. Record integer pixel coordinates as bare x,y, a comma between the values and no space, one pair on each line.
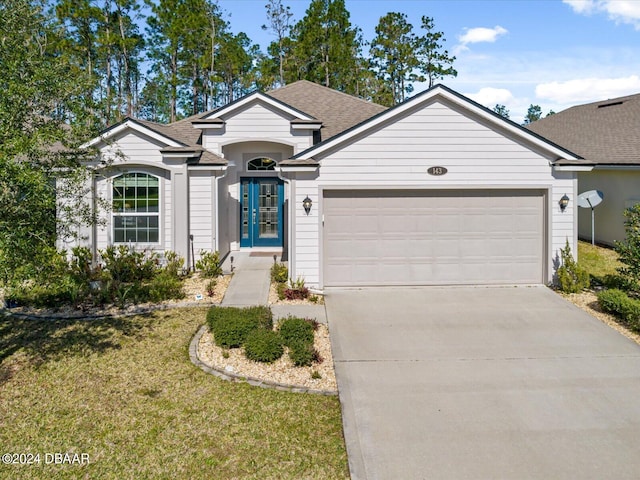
291,220
217,200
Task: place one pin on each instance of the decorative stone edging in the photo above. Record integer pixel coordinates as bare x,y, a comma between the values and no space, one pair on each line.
232,377
99,316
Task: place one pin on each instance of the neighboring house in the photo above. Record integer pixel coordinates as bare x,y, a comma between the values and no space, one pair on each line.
607,135
437,190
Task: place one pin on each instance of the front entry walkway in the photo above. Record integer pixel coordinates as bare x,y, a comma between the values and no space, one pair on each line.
482,383
251,279
250,286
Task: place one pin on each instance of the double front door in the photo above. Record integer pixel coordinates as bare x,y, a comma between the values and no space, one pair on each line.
261,216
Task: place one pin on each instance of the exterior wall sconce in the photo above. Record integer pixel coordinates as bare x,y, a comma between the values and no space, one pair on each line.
306,204
564,201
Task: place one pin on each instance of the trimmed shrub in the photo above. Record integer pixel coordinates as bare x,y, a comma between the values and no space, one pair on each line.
263,346
571,277
302,354
231,325
294,330
280,290
261,315
279,273
618,303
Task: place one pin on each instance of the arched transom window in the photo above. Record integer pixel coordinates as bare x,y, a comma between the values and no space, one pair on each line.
136,208
261,164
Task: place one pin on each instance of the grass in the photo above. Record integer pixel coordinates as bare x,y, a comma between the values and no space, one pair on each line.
598,261
124,392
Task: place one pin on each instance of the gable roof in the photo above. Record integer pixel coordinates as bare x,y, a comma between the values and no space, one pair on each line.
156,131
310,103
444,93
604,133
247,99
336,110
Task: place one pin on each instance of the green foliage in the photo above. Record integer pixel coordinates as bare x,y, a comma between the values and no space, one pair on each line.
263,346
231,325
279,273
303,354
166,285
501,110
174,265
325,48
294,329
209,264
211,287
618,303
297,290
281,289
397,53
629,250
124,264
571,277
433,62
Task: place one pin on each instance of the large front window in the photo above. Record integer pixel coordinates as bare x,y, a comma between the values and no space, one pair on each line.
136,208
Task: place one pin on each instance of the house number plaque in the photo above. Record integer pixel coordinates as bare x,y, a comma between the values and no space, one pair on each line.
437,171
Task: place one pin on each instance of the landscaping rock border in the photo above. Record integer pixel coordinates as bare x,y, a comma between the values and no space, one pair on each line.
232,377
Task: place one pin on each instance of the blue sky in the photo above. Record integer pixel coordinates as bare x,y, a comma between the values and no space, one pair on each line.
551,53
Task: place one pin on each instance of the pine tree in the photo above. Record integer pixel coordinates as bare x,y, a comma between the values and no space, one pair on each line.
393,56
434,63
326,47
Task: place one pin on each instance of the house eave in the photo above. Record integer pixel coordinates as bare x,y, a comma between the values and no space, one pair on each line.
133,125
572,168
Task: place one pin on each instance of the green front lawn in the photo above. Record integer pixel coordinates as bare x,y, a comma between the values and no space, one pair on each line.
598,261
125,393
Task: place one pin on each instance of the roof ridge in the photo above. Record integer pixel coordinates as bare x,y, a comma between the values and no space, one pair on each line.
332,90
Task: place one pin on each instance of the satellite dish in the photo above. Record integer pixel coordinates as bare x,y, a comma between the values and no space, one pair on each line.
591,199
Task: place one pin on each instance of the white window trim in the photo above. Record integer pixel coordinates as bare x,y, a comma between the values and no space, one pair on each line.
151,245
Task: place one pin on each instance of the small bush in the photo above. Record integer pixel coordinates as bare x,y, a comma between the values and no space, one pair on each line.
126,265
165,286
296,293
263,346
231,325
303,354
209,264
175,264
618,303
629,250
280,290
571,277
279,273
211,287
296,330
297,290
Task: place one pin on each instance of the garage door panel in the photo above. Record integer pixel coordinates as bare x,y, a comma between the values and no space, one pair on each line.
415,237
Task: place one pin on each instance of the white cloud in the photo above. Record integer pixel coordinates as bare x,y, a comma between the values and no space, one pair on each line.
482,34
588,89
624,11
581,6
489,97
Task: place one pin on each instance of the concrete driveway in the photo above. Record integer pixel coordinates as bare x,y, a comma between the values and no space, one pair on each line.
483,383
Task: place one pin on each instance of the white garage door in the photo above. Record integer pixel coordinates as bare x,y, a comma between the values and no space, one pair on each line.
411,237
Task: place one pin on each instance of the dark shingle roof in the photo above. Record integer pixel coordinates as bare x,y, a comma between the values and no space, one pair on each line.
605,132
336,110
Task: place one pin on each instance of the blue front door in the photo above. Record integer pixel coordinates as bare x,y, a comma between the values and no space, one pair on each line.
261,202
